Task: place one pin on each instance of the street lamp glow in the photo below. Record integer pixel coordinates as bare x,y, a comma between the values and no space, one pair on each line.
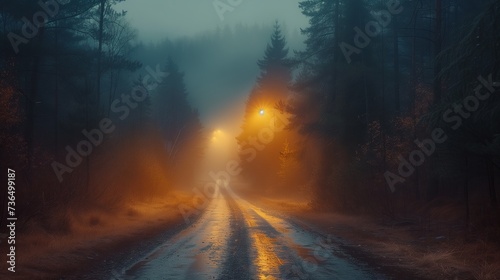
216,134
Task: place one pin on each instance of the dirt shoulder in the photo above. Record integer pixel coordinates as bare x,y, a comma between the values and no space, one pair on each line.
401,251
99,244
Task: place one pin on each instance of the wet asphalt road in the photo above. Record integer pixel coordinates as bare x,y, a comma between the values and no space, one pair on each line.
234,239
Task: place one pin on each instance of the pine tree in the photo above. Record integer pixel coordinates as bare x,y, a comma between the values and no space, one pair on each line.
172,104
179,123
275,60
273,82
335,93
261,111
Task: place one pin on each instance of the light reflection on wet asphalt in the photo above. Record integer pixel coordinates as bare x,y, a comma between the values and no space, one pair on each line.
278,250
194,253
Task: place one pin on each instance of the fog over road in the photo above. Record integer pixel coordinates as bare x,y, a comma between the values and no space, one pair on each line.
234,239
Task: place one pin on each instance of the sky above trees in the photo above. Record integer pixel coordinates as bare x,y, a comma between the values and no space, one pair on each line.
156,19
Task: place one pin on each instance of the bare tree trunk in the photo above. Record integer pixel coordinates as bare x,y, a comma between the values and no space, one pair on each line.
56,93
88,92
337,55
466,193
492,190
437,49
110,94
397,104
99,54
414,98
434,187
383,115
31,103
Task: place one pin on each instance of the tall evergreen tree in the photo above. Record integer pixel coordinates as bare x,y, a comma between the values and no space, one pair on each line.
179,123
260,145
336,92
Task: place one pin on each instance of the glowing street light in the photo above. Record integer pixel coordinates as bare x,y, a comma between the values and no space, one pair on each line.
216,134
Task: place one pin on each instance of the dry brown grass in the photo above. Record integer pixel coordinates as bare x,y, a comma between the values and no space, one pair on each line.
43,253
456,254
487,271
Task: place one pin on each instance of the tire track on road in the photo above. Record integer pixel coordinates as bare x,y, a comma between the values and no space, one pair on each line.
238,263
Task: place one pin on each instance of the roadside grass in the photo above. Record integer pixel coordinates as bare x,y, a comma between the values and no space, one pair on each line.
90,234
488,271
441,250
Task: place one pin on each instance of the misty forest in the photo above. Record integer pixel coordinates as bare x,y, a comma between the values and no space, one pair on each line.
237,139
